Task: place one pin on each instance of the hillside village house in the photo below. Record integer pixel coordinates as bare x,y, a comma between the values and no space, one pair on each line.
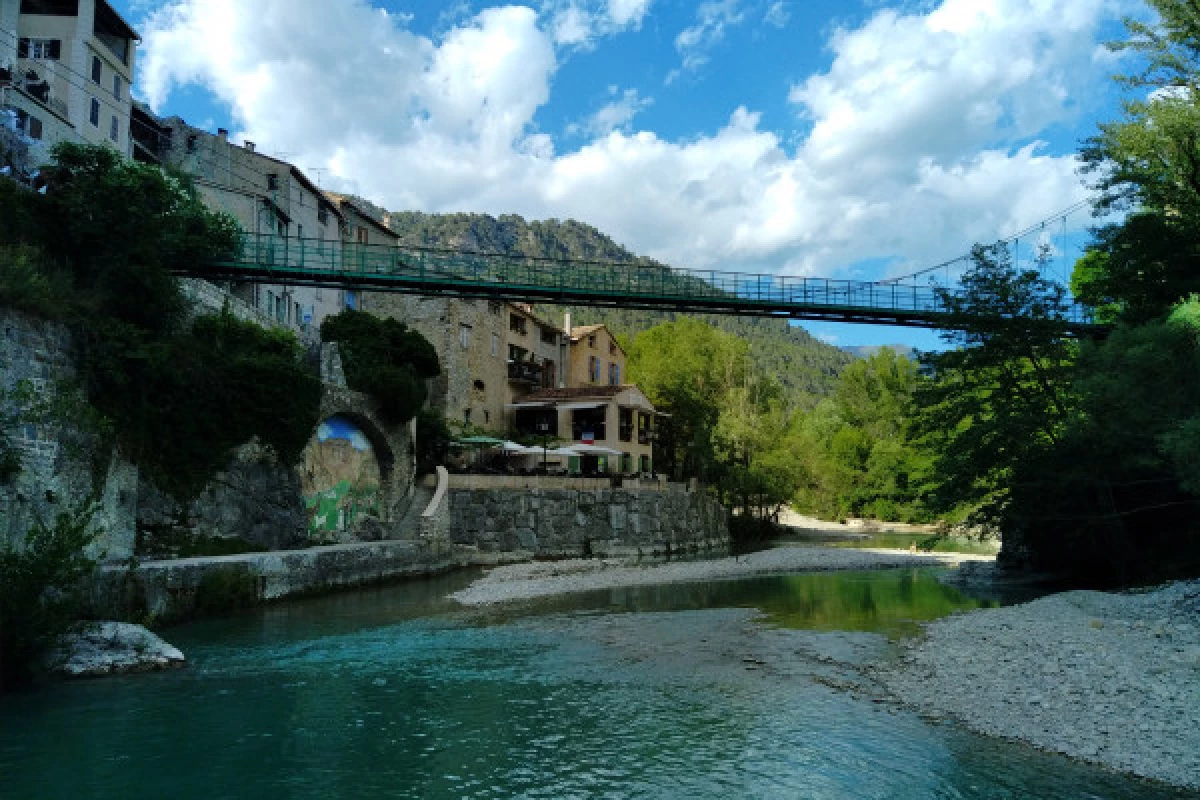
361,234
65,71
287,218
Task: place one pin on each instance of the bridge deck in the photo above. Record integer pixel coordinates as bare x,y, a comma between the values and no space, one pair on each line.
429,271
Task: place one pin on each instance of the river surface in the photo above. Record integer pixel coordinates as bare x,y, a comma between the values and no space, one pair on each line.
724,690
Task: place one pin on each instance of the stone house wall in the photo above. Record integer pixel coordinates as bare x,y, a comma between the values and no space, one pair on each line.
474,377
571,522
57,458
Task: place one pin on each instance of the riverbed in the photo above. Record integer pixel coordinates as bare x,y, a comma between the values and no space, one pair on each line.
735,688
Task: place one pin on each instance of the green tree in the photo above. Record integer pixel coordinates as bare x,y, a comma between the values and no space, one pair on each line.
1002,394
385,359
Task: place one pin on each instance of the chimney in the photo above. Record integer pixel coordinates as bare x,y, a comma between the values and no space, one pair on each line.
223,134
567,323
249,145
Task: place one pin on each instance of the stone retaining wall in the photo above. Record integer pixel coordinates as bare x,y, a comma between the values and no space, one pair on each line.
571,522
165,591
57,458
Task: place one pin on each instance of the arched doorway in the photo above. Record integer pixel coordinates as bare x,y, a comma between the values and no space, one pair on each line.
341,476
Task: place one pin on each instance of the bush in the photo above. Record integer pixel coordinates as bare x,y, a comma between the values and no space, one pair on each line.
41,596
384,359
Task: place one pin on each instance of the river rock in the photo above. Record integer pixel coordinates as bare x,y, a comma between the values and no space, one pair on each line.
110,648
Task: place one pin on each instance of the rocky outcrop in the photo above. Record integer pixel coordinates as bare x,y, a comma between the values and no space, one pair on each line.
111,648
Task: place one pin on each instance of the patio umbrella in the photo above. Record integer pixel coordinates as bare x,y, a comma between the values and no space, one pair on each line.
480,442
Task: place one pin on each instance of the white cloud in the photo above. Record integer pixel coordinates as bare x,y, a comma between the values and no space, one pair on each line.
695,42
920,137
777,14
578,23
617,114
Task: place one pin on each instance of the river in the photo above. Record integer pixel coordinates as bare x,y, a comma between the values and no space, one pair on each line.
728,689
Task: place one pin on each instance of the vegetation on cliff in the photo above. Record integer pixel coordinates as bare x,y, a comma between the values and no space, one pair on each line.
177,394
385,359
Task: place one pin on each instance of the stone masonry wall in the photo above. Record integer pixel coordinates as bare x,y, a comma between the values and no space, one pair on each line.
57,459
572,522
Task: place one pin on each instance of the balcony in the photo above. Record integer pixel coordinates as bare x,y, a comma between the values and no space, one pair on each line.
525,372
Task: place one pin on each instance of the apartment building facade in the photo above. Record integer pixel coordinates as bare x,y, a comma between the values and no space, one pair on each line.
66,67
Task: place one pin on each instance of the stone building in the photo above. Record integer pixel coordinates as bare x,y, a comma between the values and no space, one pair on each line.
65,71
596,359
618,418
286,217
363,239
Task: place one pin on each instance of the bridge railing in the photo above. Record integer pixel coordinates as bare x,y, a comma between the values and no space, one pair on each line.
410,268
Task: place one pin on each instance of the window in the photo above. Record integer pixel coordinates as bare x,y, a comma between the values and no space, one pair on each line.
516,324
191,143
612,348
494,307
94,116
495,344
299,314
299,231
614,375
43,49
323,216
362,234
549,336
35,128
592,341
97,69
272,182
593,369
479,386
270,302
114,129
466,416
464,336
548,374
117,86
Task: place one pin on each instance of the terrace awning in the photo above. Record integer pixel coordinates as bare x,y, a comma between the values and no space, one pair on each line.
580,406
515,406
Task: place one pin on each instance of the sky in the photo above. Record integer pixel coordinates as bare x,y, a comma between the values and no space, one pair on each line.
860,139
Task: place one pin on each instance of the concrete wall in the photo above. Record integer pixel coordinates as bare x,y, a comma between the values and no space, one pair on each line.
57,458
572,522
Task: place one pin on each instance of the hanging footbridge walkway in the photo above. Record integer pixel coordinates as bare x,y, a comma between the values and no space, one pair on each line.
431,271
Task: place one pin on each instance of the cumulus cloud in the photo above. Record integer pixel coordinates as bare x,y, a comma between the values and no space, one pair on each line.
922,135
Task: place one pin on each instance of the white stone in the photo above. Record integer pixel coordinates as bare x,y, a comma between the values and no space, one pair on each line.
109,648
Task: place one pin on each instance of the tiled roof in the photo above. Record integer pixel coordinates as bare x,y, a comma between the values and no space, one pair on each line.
584,330
574,393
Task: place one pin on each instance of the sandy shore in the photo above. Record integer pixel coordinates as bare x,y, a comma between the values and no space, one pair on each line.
541,579
1108,678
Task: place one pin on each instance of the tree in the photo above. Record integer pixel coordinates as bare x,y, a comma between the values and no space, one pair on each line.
1002,395
385,359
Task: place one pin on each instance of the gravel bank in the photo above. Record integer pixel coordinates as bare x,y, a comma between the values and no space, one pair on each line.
1108,678
540,579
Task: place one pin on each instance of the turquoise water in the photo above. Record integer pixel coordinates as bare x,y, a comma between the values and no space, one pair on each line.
393,693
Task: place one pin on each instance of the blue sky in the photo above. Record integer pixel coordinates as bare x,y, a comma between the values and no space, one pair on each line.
840,139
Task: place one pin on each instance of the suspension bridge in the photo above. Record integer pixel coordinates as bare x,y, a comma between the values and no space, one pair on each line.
268,258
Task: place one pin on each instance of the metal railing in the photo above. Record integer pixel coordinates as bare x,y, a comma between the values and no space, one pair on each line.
423,270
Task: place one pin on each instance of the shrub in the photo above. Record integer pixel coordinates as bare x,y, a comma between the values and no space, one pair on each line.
41,596
384,359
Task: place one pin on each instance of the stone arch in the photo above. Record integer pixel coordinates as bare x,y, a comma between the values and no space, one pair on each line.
356,472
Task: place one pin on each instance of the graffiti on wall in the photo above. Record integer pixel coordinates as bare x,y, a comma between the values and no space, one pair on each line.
341,477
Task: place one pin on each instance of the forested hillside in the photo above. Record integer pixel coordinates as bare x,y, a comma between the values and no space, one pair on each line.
800,363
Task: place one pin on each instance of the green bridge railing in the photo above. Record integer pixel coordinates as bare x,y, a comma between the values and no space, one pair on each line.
426,270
